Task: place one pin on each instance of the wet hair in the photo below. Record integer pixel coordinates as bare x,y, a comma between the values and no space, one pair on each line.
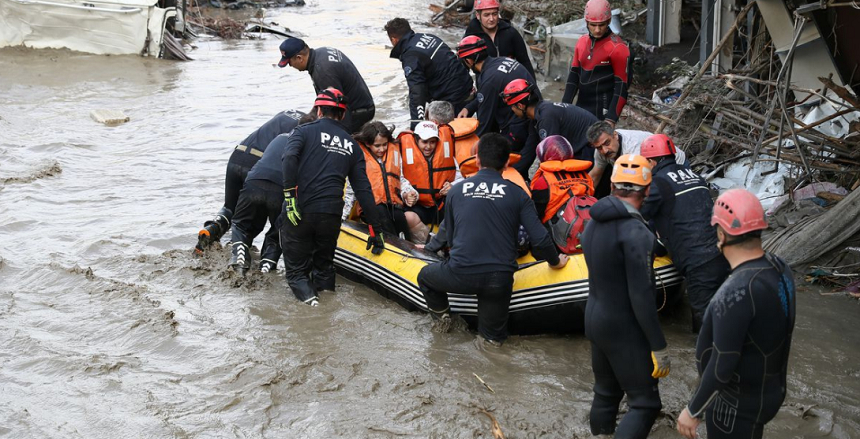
597,129
628,191
494,150
331,112
440,112
397,27
308,118
369,131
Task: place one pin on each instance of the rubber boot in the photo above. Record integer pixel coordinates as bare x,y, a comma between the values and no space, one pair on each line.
213,230
240,260
270,254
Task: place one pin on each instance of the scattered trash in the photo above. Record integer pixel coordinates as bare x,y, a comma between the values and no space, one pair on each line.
484,383
109,117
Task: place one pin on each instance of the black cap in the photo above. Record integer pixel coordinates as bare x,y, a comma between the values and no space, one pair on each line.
289,48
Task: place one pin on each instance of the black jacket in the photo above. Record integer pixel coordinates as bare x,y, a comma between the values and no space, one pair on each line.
493,114
318,157
508,43
618,249
433,72
269,167
483,217
281,123
329,67
568,121
680,205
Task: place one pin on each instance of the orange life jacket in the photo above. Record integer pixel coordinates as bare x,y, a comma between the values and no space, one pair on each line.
464,139
565,179
427,176
384,177
470,168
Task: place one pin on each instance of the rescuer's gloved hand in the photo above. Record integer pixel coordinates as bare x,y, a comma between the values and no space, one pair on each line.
661,363
292,209
375,243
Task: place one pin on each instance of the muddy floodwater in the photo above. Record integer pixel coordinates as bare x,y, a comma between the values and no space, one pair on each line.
111,328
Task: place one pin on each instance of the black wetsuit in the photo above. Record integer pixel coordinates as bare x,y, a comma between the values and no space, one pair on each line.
621,318
433,73
508,43
496,116
742,350
680,205
568,121
329,67
317,160
482,218
262,198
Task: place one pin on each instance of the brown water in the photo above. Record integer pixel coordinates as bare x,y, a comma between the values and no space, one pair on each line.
110,328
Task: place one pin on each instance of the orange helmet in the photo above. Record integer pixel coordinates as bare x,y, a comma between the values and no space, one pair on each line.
331,97
658,145
631,169
738,211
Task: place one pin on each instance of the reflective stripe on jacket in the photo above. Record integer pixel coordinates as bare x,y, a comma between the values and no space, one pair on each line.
384,176
427,177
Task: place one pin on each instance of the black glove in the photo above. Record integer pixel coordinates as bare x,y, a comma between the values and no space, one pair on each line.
375,243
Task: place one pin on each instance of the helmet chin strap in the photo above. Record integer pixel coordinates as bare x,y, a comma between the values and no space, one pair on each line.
736,241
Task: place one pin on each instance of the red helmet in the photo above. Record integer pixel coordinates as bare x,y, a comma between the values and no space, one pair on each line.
516,91
554,147
331,97
470,46
597,11
658,145
486,4
738,211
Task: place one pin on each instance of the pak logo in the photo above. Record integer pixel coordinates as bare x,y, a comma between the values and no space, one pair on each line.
407,70
483,190
542,133
480,97
335,144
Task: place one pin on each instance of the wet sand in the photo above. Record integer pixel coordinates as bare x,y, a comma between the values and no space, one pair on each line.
109,327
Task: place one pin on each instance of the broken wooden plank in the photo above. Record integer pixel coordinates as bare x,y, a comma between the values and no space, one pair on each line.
109,117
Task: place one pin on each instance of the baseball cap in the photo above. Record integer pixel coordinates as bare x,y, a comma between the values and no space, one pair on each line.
427,130
289,48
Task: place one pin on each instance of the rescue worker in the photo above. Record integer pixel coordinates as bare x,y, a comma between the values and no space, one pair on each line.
261,198
429,166
609,144
502,39
559,177
432,70
493,115
330,68
601,69
483,219
318,157
679,204
628,349
550,118
743,348
390,189
244,157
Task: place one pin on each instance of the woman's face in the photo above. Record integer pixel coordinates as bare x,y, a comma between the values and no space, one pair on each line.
379,146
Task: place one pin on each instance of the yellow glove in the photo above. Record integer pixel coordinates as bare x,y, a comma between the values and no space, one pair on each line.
661,363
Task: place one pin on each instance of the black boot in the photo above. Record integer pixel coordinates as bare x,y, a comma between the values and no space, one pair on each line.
240,260
213,230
